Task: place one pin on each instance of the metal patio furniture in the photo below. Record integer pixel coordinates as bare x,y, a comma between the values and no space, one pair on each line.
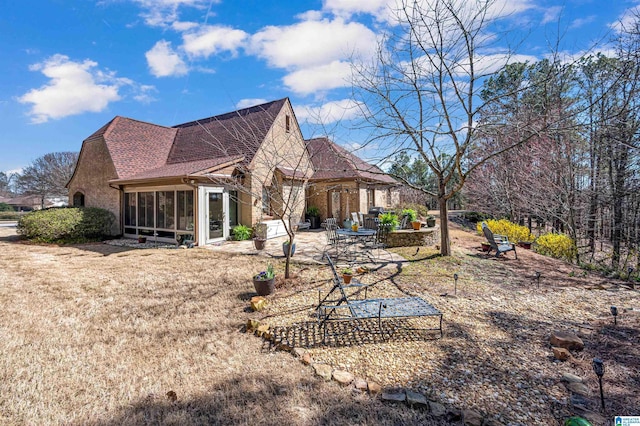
499,243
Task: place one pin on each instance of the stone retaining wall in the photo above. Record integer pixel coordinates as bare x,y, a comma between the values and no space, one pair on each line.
409,237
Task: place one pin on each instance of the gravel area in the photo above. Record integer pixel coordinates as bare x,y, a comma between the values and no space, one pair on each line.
495,355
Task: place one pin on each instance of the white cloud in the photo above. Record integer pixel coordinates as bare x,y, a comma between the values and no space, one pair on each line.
163,13
74,88
626,20
212,39
330,112
348,8
246,103
577,23
551,14
182,26
323,77
164,61
312,43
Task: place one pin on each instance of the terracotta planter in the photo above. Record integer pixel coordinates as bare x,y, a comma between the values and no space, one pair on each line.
264,287
259,243
346,278
486,246
416,225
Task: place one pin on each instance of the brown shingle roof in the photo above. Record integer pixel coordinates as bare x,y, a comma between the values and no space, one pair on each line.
235,133
331,161
189,168
136,146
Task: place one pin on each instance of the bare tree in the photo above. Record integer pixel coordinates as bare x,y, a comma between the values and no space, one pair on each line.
47,175
273,180
420,95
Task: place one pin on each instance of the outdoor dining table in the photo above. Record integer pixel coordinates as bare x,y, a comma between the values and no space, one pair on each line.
355,237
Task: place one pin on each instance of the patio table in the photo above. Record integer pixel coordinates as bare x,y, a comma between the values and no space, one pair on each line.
354,237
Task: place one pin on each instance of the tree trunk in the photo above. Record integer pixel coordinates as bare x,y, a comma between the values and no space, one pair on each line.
445,244
288,257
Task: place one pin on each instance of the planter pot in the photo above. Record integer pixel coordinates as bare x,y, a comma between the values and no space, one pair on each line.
486,246
264,287
346,278
315,222
416,225
431,223
525,244
354,227
142,240
285,249
259,243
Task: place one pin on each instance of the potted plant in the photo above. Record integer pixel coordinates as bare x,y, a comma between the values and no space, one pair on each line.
241,233
142,239
313,214
259,235
347,274
354,227
431,221
389,220
264,281
285,248
486,246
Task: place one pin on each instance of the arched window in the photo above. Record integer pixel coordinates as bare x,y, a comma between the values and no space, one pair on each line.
78,199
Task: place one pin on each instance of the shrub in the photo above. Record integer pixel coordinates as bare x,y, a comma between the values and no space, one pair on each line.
475,217
66,225
560,246
241,233
4,207
413,215
12,215
389,219
421,209
514,232
313,211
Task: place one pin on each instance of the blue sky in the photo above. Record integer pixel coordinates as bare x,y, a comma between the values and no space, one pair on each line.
68,67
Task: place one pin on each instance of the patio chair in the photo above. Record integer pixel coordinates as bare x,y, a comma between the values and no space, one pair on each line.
499,243
337,242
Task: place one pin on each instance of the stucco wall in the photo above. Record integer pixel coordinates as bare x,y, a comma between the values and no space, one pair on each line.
91,177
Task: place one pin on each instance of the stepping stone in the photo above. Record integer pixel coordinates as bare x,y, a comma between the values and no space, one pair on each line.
343,377
374,388
561,353
394,396
437,409
360,384
578,388
323,370
415,399
471,418
568,377
564,339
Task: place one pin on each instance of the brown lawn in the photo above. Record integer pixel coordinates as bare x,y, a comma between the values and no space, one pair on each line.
96,334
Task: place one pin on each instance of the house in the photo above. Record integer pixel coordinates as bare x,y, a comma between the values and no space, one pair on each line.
343,183
28,203
199,179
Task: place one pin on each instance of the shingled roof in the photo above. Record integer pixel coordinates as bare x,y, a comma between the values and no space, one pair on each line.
331,161
142,150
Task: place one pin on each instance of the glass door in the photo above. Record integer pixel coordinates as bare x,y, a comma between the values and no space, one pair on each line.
213,213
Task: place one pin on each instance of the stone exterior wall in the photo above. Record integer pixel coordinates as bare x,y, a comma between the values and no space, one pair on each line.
93,172
410,238
284,148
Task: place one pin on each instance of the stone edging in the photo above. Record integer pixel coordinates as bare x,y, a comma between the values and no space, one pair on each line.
344,378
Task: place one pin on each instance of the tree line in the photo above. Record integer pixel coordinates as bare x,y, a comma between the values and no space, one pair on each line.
46,176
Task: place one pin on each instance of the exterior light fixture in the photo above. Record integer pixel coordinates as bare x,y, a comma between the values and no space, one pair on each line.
538,274
598,368
455,283
614,312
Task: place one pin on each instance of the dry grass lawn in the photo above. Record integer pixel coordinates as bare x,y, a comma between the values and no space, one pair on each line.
100,335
